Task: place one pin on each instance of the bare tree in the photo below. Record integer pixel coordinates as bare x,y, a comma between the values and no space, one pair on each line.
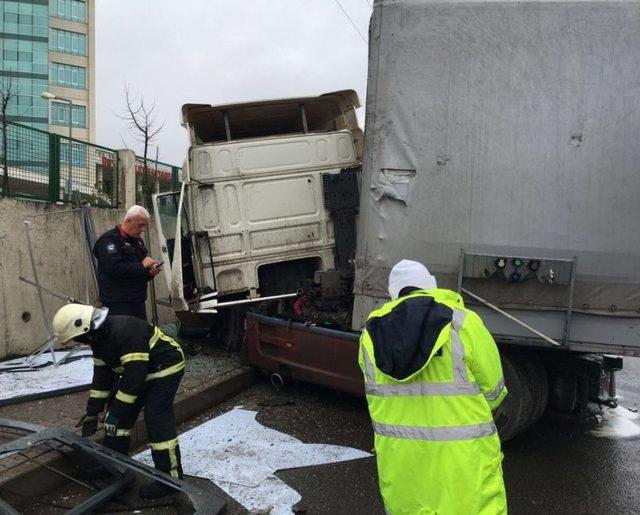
7,93
142,119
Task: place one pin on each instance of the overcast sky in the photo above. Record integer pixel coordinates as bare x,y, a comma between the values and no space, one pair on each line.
221,51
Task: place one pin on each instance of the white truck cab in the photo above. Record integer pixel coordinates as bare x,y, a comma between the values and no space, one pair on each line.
252,214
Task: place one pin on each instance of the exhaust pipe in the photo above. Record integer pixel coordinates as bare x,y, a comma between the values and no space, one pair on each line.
277,381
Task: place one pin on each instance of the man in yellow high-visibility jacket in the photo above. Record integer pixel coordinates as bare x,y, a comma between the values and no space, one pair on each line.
433,376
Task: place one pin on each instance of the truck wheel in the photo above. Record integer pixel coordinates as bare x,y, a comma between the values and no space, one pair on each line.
510,414
528,385
536,386
229,329
542,386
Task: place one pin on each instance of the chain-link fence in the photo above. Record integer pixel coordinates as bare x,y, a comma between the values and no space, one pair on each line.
159,178
89,169
41,165
26,171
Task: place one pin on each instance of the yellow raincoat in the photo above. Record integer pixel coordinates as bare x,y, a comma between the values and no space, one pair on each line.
432,376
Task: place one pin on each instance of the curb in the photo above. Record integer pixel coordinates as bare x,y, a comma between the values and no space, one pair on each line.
33,480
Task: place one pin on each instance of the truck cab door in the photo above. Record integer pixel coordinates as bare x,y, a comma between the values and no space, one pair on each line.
175,246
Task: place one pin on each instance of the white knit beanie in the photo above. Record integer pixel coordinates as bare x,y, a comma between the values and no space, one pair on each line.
409,273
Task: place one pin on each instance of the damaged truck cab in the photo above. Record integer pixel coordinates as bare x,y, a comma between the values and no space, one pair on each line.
251,219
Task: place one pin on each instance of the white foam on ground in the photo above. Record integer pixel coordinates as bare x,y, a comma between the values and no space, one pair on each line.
241,456
617,423
48,378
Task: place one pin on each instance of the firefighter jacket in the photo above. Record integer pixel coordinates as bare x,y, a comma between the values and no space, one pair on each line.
136,351
121,276
432,377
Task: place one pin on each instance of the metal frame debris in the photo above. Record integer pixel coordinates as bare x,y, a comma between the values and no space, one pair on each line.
204,502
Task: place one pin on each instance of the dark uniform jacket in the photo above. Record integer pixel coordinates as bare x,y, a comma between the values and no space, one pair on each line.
137,351
121,276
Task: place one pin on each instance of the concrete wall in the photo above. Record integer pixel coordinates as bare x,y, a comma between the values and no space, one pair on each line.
58,254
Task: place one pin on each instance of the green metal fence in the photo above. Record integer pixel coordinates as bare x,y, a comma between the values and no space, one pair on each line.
41,165
159,178
45,166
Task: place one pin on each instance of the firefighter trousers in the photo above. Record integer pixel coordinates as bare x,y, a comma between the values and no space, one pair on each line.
159,417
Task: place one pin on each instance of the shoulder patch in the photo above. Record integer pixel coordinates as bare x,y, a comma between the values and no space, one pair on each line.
111,248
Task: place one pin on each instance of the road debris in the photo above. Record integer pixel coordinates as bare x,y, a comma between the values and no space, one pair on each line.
241,456
40,379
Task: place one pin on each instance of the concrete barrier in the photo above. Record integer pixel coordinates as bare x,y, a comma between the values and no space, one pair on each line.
57,238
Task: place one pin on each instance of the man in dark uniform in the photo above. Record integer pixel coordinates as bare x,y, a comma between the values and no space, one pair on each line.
149,365
124,265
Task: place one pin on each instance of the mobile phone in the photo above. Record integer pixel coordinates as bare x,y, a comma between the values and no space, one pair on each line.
159,265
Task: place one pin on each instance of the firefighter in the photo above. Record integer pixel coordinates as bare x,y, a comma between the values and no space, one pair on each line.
149,366
432,378
124,265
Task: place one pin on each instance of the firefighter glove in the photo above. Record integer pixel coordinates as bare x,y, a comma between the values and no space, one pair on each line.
111,424
89,424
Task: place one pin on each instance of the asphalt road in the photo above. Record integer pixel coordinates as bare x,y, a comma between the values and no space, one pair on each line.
555,467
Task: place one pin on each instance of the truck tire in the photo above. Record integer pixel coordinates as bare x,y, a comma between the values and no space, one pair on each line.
536,386
528,385
509,416
542,386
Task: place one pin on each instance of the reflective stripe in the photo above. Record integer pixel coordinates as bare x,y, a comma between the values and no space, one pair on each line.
123,432
118,370
154,339
99,363
167,371
157,336
173,459
134,356
414,388
170,446
495,393
441,434
457,348
369,371
171,341
99,394
125,397
421,389
164,446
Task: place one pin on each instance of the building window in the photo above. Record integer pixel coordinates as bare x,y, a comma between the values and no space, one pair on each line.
60,115
28,107
26,56
23,18
68,42
78,152
74,10
67,76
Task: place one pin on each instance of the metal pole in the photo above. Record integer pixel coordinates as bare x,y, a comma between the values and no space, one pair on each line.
259,299
37,282
59,295
152,286
45,318
227,129
305,125
86,259
511,317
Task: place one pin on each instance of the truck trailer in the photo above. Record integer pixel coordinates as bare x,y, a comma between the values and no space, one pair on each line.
500,150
